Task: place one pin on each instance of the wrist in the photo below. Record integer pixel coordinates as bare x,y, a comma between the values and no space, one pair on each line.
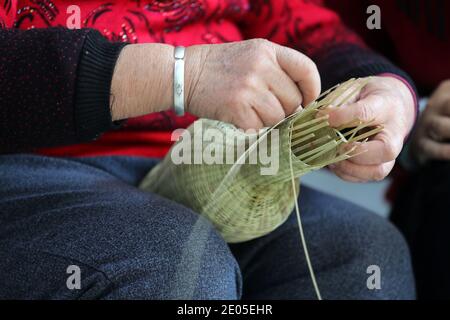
142,81
194,64
409,97
410,103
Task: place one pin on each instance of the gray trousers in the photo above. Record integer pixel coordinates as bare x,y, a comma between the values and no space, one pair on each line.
80,229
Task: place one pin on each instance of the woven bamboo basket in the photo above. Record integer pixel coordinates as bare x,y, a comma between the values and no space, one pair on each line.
240,201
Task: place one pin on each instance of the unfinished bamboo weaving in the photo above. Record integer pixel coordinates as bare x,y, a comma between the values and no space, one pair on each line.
242,203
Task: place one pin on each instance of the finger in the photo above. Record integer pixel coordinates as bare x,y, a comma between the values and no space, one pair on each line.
285,90
434,150
247,118
371,108
377,151
365,173
445,107
439,128
345,177
302,70
440,99
268,108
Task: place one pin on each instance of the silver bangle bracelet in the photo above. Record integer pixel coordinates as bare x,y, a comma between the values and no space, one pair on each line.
178,81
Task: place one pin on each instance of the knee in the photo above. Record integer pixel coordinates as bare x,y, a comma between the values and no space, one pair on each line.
170,252
354,240
351,231
369,242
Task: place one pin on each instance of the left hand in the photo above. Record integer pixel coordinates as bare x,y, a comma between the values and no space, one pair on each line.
388,102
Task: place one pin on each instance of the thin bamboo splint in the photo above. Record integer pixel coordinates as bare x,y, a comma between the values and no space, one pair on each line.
240,202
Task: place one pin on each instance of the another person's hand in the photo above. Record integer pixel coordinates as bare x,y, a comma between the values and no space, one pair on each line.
251,84
431,139
388,102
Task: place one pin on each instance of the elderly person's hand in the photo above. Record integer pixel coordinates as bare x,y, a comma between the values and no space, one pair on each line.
388,102
252,84
432,135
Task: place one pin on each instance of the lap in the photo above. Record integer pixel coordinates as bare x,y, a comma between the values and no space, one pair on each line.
343,241
129,243
56,212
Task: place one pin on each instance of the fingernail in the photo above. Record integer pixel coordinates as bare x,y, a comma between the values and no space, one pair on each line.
325,111
362,146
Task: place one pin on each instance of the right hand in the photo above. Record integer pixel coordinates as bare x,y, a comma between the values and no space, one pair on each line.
431,139
251,84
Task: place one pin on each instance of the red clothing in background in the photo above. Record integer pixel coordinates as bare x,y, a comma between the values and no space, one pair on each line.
414,34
